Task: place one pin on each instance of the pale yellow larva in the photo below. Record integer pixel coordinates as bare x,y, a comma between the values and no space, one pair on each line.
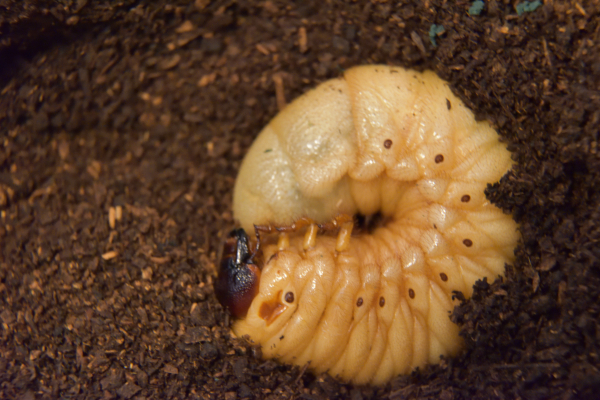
378,140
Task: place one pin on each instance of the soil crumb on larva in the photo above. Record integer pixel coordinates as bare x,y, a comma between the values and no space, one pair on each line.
149,107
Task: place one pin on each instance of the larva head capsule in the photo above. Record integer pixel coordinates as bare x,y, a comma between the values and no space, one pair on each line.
239,278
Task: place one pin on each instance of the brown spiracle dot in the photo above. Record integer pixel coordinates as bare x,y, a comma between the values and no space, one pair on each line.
444,277
468,242
381,301
411,293
439,158
359,302
289,297
388,143
466,198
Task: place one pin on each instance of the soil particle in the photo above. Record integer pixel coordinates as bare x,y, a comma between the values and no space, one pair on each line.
150,107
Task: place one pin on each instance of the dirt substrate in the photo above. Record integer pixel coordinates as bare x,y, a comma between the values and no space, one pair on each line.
149,106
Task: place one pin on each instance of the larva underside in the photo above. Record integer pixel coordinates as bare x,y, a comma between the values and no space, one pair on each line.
379,140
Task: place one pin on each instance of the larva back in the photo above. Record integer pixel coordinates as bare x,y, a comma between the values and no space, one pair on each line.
379,140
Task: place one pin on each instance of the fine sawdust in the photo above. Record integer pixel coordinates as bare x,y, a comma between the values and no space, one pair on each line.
122,126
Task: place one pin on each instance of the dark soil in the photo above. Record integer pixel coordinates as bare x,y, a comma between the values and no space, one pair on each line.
149,106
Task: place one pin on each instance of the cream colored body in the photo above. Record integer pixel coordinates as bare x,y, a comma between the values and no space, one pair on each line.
329,153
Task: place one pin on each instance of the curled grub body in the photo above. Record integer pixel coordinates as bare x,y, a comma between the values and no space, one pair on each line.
376,304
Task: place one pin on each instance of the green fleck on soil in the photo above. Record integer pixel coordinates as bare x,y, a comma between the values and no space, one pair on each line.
527,6
476,7
434,31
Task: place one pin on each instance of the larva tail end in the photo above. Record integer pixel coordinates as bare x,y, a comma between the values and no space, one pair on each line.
239,277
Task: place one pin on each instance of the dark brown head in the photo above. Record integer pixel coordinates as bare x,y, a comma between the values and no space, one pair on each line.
239,277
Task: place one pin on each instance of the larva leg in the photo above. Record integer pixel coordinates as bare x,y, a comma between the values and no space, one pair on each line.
299,224
310,238
283,241
337,222
343,239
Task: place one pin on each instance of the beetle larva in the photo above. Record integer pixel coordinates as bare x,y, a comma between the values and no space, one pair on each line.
369,306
